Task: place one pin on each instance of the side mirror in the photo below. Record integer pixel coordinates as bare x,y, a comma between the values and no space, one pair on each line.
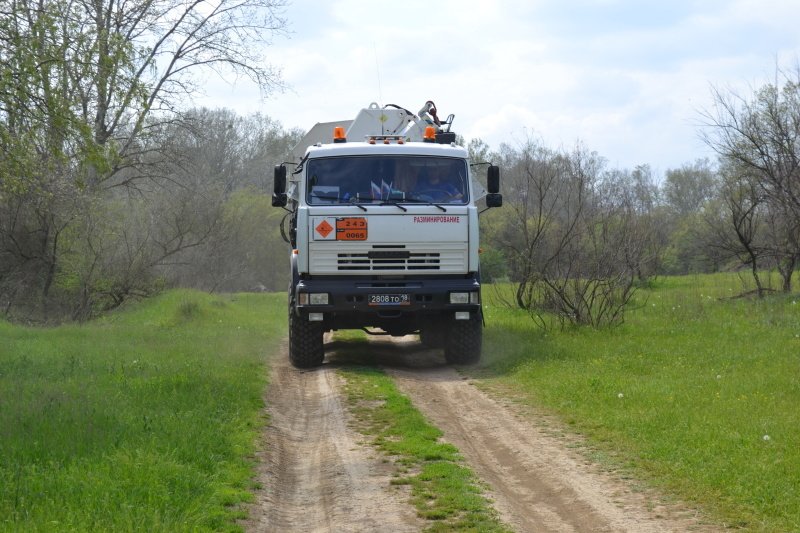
279,191
493,179
494,200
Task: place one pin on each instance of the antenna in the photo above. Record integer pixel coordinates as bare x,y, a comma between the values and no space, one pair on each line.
378,71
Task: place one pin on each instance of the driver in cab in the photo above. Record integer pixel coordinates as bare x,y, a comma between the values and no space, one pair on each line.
436,185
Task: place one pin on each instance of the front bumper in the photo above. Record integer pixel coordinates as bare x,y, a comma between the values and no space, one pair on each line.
349,300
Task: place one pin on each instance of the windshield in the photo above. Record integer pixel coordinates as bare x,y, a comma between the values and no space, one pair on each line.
379,179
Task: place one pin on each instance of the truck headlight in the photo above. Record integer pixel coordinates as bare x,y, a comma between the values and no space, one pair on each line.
464,298
459,297
319,298
313,298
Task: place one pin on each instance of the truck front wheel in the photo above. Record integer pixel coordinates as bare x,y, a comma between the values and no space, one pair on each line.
464,339
305,340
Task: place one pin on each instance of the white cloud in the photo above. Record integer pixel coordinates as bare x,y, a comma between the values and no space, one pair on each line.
626,77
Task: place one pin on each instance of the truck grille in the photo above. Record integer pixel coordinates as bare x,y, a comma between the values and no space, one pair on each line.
388,261
444,258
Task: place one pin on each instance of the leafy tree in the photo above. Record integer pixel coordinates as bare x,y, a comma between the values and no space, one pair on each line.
758,137
688,194
231,158
687,189
636,194
86,91
574,243
738,226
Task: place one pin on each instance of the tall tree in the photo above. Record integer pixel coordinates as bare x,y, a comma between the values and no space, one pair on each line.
687,193
686,189
574,241
86,86
759,135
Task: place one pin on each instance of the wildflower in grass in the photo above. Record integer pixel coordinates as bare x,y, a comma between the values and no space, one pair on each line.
620,395
765,437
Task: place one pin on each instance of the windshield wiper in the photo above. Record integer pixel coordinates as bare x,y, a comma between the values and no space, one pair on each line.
353,201
421,201
395,203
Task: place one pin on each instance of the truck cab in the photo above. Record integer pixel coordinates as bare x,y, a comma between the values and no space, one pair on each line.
384,237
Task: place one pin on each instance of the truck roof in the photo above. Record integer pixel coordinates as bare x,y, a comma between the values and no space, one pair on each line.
407,148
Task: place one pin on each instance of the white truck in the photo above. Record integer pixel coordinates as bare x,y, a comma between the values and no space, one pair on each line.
383,227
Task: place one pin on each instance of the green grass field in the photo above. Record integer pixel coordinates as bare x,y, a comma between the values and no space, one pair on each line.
147,419
697,392
143,420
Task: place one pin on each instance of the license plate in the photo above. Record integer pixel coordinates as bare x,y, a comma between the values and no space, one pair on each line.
389,299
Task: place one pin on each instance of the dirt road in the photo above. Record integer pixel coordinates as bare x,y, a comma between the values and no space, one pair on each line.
318,477
316,474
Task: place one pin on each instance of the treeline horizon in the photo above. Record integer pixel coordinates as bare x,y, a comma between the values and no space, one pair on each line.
207,222
111,189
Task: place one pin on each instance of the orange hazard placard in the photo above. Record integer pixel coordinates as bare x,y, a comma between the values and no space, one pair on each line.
324,229
351,229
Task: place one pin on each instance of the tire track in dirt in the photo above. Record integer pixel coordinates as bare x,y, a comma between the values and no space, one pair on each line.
536,482
315,474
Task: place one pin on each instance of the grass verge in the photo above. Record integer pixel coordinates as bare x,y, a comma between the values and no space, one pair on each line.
697,392
442,488
145,420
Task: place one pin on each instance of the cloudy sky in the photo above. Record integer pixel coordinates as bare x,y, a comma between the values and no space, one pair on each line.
628,78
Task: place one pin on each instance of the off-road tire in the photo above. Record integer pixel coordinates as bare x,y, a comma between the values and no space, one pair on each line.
305,340
464,339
